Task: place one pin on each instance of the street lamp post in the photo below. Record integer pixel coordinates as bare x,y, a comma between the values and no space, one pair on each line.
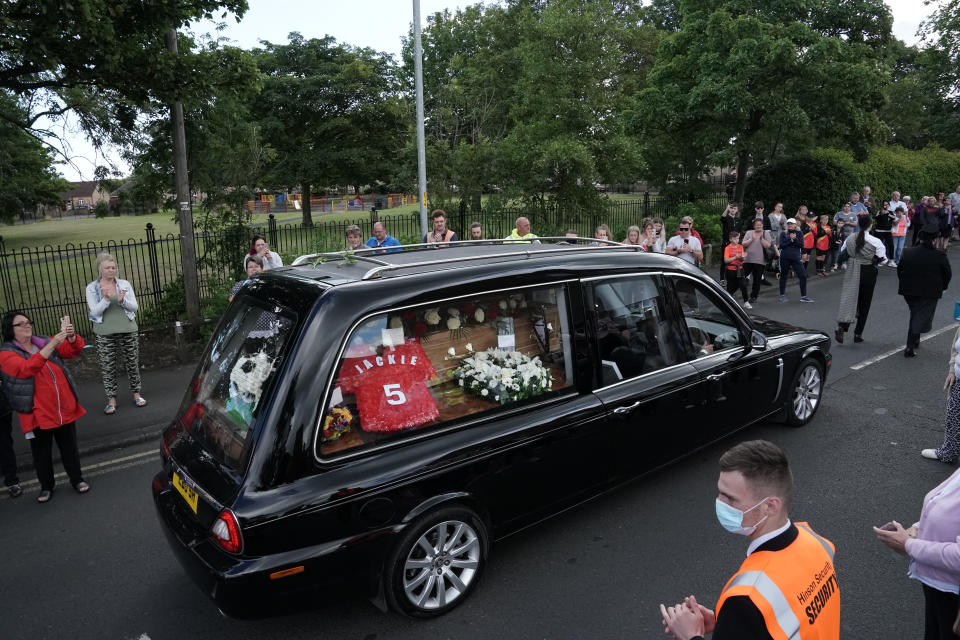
421,152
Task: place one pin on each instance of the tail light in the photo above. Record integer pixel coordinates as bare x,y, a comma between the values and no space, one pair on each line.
226,532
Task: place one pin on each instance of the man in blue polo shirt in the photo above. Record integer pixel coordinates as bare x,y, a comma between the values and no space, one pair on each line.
382,239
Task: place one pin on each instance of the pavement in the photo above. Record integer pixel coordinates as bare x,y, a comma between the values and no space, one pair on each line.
98,432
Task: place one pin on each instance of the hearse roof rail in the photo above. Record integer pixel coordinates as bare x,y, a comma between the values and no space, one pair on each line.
384,266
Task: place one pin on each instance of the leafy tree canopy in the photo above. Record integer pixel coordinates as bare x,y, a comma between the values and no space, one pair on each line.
26,176
104,61
746,80
333,111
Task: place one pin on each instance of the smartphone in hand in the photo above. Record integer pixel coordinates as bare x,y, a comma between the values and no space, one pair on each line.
888,527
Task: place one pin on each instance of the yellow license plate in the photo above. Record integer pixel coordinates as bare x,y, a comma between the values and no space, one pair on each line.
188,494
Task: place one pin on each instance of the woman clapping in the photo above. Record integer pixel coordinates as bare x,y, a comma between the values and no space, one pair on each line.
113,308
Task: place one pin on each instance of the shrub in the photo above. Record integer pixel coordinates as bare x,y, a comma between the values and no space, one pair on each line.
823,181
101,210
824,178
705,220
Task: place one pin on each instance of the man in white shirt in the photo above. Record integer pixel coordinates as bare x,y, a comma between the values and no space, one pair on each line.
955,200
895,202
685,247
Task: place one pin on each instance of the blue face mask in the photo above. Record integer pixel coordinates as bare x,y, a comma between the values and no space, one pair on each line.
731,518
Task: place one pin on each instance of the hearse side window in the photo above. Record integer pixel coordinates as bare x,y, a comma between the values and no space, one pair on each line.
711,326
633,333
410,370
221,405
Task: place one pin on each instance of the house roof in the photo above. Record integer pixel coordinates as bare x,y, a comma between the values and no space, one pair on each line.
80,189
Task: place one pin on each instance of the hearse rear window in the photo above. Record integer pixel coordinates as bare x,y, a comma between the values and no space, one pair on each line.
244,356
410,370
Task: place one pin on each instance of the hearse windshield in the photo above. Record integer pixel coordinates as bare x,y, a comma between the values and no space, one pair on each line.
244,355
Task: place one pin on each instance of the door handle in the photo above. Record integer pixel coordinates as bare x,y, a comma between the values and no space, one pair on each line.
713,377
625,411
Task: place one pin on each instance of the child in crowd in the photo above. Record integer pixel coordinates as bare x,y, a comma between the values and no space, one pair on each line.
733,259
836,242
822,245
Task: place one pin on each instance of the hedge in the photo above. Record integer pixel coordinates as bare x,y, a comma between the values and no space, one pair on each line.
824,178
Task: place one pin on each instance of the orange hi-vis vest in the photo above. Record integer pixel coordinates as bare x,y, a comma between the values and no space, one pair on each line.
794,588
809,236
823,241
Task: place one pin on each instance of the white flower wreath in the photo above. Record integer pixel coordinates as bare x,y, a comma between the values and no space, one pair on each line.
508,376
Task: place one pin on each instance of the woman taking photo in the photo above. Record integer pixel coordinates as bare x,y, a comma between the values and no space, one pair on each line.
113,308
41,391
259,247
865,253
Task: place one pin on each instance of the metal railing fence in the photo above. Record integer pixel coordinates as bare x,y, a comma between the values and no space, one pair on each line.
47,282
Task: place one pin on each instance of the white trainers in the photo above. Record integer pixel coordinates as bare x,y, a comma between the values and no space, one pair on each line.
891,263
747,305
930,454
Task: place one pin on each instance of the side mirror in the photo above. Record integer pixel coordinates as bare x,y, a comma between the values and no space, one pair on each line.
758,341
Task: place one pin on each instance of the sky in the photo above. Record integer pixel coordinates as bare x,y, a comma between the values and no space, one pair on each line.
378,24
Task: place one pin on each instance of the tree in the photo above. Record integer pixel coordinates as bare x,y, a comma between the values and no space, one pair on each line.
331,110
27,175
746,81
103,62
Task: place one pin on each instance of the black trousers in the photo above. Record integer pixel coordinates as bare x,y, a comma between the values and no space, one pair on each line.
940,610
734,283
868,282
8,459
792,263
756,271
922,311
886,237
41,445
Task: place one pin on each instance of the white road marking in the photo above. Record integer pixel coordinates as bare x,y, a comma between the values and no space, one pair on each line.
882,356
107,466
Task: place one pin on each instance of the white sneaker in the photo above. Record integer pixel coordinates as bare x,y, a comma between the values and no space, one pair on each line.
930,454
747,305
891,263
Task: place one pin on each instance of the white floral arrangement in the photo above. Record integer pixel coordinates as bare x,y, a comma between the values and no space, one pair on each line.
503,376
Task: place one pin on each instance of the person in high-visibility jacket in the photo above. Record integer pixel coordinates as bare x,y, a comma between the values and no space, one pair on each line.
787,587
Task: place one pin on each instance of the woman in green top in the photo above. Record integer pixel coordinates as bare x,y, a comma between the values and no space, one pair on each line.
113,307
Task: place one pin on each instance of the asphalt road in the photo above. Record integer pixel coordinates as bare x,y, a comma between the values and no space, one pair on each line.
96,566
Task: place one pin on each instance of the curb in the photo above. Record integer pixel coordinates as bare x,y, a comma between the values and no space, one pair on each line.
140,435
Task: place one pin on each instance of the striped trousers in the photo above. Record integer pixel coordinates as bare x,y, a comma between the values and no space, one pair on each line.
110,350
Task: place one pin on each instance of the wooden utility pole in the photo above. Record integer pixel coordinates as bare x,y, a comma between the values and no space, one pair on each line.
188,249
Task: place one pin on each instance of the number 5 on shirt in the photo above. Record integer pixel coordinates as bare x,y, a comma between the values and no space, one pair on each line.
394,395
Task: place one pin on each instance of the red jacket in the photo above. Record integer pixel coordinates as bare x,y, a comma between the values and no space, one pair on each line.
54,404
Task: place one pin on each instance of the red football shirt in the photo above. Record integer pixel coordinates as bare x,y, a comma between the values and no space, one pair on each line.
390,390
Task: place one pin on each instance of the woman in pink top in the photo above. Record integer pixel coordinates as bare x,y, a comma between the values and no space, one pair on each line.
901,223
933,546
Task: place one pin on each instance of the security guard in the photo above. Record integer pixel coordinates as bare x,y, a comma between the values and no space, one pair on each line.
786,587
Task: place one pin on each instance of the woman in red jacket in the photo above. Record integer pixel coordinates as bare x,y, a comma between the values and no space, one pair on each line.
42,392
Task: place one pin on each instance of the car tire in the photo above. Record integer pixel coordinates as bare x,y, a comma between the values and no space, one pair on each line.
805,393
425,584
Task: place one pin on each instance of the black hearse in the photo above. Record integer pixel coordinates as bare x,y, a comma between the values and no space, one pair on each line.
380,419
